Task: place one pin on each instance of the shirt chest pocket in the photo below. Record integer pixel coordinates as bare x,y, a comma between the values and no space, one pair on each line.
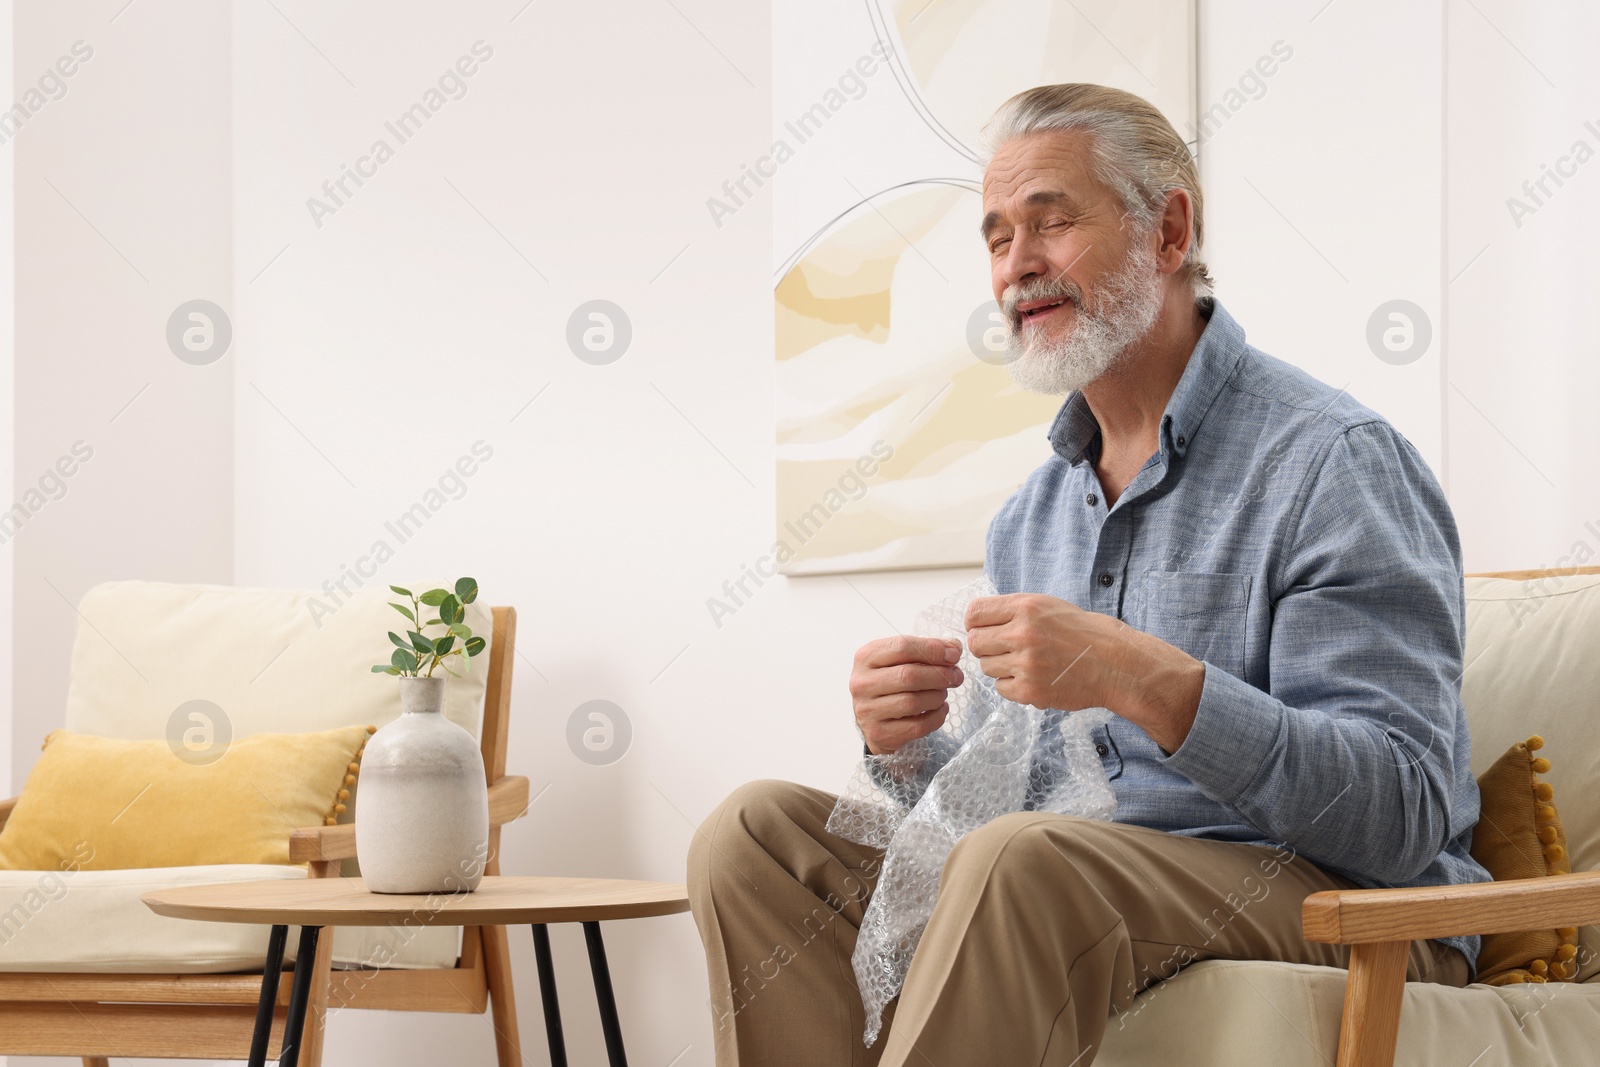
1203,614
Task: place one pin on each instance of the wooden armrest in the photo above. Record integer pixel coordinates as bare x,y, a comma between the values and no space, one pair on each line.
5,809
323,844
508,800
1366,916
1380,924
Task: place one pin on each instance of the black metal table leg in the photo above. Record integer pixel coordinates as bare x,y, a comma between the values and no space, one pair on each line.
305,962
602,993
269,996
547,993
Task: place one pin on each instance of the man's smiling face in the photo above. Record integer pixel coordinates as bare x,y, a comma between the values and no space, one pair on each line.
1077,282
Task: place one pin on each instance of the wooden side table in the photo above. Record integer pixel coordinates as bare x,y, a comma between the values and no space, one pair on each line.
499,901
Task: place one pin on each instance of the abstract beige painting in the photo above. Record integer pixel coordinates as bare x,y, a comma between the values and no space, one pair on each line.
899,431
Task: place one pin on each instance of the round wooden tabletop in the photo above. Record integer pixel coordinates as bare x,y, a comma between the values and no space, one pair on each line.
498,901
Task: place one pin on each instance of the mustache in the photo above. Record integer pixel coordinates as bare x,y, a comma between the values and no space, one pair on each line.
1037,289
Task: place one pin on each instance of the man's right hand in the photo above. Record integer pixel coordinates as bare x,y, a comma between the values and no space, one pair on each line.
900,686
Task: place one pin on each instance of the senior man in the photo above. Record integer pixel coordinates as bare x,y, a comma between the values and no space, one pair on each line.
1259,576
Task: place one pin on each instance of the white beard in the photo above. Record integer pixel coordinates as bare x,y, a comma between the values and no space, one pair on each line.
1123,311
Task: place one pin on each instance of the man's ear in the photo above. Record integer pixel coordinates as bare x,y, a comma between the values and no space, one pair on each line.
1176,229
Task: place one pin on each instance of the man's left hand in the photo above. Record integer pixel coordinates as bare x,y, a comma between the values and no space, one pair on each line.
1052,654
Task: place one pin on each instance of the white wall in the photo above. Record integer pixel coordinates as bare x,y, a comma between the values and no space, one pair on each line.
429,312
1324,186
1524,90
7,416
7,413
124,214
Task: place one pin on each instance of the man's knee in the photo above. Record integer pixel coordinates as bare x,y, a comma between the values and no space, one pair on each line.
1014,845
751,817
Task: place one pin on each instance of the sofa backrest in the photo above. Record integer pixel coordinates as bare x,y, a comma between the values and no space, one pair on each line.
1533,667
273,660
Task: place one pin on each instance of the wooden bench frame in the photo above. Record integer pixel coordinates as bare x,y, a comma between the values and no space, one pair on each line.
1380,924
211,1016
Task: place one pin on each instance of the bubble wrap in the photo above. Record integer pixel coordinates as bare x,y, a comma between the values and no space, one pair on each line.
991,756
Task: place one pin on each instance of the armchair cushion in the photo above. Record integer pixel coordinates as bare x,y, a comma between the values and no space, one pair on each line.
273,660
1519,835
98,803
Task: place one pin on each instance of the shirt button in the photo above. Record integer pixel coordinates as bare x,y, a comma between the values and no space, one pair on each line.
1105,578
1101,750
1182,440
1091,500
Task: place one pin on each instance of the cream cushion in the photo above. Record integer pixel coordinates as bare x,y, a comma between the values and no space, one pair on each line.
94,922
272,661
1532,667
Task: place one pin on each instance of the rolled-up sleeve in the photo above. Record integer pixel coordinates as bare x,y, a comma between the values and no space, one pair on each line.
1349,755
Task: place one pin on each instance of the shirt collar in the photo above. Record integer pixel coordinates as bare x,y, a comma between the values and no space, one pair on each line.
1211,363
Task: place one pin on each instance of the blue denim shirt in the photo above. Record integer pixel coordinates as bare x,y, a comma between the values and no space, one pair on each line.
1298,544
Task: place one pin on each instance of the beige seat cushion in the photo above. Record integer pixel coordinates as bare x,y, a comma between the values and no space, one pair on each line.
1533,668
1221,1013
94,922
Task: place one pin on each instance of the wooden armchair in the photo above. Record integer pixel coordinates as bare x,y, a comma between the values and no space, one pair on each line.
55,1012
1531,668
1380,924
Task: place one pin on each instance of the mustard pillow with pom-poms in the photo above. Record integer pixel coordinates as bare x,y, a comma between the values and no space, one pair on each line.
1519,835
101,803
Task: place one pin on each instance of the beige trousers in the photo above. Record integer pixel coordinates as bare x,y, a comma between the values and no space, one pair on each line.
1046,926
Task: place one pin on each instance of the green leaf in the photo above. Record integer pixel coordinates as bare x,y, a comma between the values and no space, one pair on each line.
450,609
442,646
402,592
475,645
404,660
398,641
460,630
433,596
402,609
382,668
466,590
433,622
420,643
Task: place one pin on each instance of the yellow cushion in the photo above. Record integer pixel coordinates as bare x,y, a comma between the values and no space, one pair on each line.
99,803
1519,835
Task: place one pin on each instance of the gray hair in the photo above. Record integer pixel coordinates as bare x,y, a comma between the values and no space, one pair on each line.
1135,150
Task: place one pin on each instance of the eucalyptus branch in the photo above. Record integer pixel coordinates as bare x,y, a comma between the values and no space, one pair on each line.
416,655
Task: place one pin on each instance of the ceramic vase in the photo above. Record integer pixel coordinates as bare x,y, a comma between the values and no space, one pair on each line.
422,811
